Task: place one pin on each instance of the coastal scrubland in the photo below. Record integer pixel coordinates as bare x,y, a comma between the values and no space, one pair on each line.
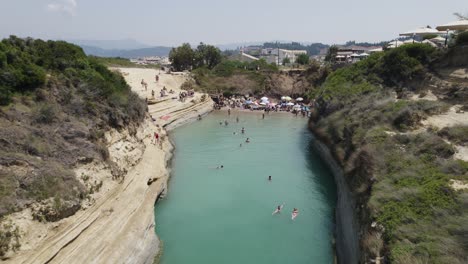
398,170
256,78
55,106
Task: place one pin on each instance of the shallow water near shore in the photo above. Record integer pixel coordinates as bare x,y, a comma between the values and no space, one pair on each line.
225,215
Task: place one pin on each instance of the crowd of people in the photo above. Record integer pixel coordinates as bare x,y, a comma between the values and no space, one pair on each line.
254,104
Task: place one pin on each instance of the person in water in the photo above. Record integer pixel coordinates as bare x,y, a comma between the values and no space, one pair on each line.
247,140
240,145
237,119
243,130
278,208
220,167
269,178
226,122
295,211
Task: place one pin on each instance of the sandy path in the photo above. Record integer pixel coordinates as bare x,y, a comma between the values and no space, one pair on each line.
119,226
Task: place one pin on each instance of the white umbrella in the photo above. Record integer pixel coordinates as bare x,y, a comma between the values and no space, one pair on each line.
421,32
364,54
264,98
456,25
438,39
409,41
395,43
287,98
429,43
290,104
354,55
299,99
375,50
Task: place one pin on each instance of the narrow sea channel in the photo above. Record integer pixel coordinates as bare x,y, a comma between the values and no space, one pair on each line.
225,215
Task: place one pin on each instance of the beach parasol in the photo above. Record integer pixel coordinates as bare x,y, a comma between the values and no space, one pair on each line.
424,31
364,54
409,41
395,44
426,41
264,98
290,104
437,39
456,25
299,99
375,50
287,98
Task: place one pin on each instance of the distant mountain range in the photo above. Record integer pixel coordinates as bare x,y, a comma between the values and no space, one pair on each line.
130,48
126,53
118,44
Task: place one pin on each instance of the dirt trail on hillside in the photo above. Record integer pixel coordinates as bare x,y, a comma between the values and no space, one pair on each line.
119,226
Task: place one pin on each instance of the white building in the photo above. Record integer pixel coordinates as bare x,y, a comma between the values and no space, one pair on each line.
277,56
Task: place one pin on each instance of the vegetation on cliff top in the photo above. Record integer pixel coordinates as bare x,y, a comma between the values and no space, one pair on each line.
55,106
410,213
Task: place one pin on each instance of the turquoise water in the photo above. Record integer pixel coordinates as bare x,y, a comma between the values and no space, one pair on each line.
225,215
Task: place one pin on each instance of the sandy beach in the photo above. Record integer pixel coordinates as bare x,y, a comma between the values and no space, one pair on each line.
117,225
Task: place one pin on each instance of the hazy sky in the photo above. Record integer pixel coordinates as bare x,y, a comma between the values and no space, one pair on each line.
172,22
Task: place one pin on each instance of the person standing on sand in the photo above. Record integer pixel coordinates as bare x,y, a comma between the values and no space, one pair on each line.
156,137
263,116
229,111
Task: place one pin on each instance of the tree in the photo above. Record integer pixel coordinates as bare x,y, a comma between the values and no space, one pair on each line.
182,58
207,55
302,59
286,61
331,54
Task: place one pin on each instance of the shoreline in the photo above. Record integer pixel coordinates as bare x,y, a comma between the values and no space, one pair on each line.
118,224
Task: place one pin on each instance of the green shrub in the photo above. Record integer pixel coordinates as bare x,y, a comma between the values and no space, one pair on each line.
462,38
456,134
45,114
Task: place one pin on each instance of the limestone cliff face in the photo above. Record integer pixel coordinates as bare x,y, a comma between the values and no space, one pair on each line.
347,228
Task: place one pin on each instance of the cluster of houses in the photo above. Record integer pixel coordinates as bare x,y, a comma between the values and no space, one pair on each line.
164,61
438,37
270,55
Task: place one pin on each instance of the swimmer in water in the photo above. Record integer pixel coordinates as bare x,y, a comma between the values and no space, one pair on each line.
247,140
240,145
220,167
243,130
269,178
